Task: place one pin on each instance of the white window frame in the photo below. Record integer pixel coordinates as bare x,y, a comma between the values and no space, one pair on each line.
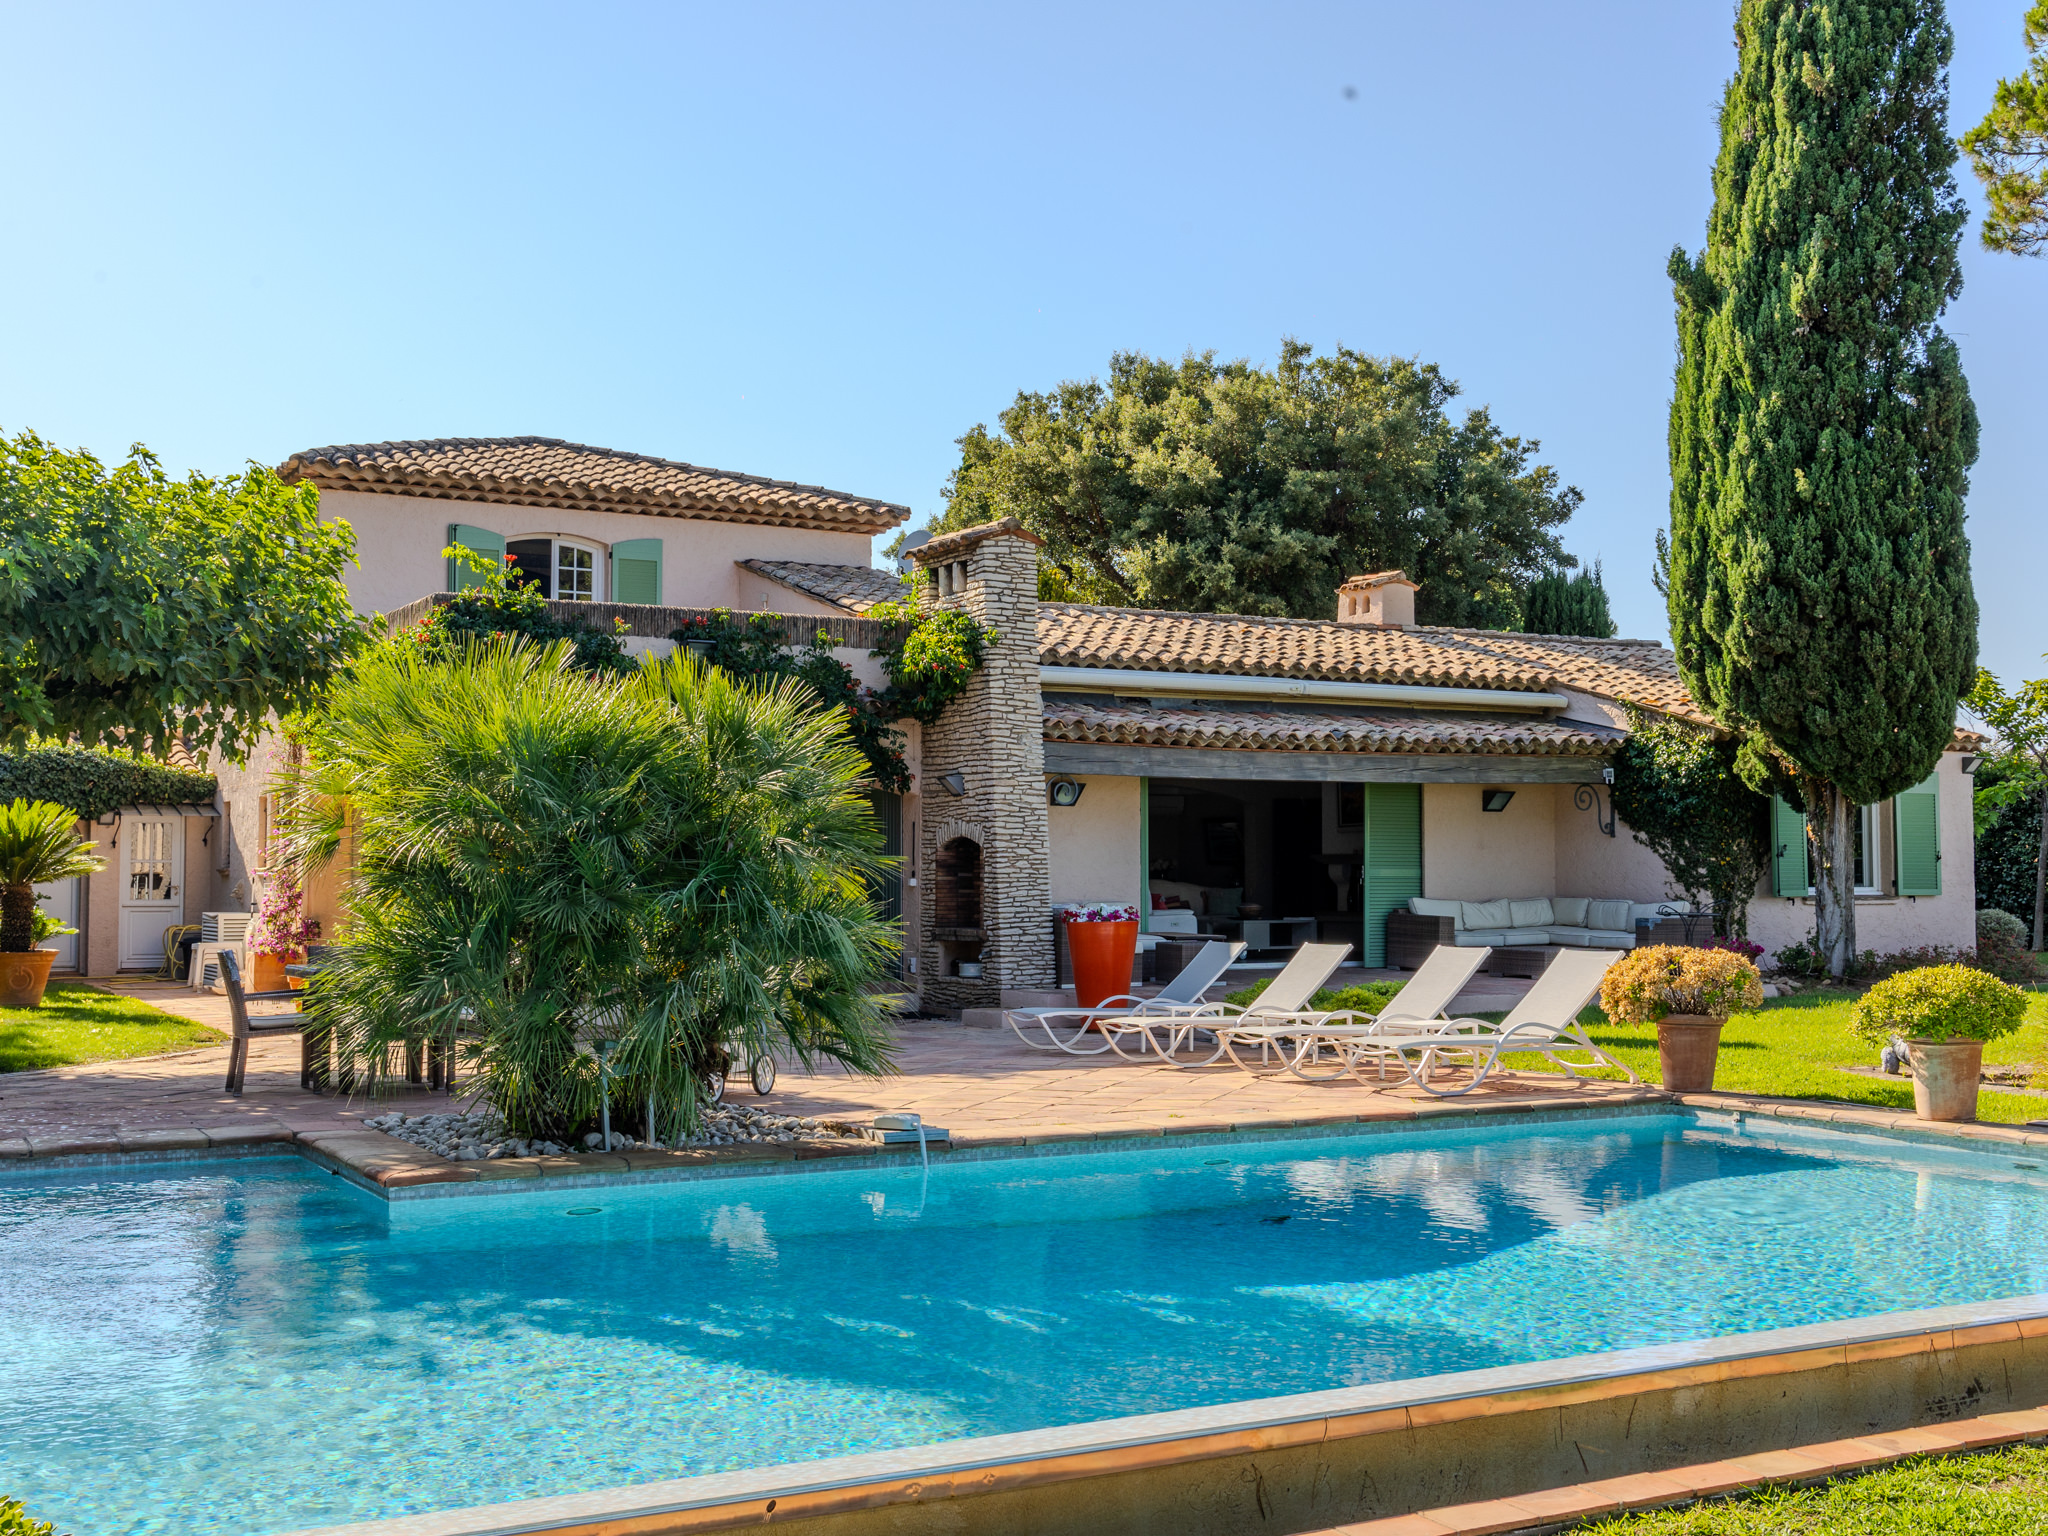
1873,862
600,562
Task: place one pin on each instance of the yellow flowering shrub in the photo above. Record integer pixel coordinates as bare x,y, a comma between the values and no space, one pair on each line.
1939,1002
1648,984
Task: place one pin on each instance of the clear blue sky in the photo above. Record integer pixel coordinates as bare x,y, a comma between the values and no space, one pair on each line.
819,243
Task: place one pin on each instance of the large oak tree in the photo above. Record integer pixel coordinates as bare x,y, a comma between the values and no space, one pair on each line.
1227,488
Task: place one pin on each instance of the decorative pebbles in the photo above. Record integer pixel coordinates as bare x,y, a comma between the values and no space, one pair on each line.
481,1136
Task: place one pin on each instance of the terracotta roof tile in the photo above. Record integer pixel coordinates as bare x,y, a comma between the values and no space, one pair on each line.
1073,635
1306,729
547,472
951,546
856,588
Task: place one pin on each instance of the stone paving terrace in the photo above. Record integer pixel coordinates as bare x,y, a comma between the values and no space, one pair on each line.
980,1085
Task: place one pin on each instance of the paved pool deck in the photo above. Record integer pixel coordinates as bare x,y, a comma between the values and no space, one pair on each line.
980,1085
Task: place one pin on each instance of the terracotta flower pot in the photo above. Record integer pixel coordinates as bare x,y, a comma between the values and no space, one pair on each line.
270,976
23,977
1945,1078
1102,954
1688,1044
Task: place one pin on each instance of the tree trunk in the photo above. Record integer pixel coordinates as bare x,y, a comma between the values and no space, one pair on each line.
1832,848
17,913
2041,873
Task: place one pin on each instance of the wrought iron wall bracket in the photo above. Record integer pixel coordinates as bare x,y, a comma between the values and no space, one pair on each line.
1587,798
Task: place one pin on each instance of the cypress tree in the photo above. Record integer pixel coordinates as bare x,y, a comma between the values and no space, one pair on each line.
1559,604
1821,427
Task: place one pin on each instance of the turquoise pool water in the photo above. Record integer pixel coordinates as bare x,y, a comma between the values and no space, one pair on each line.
249,1347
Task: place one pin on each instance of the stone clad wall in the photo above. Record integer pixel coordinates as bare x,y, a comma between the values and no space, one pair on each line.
992,735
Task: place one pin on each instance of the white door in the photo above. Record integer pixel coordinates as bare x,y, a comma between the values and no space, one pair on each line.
152,858
60,900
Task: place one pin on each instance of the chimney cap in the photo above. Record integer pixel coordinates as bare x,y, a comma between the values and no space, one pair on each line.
953,546
1378,579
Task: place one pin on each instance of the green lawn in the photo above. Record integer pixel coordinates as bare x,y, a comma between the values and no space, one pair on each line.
1795,1047
1995,1493
79,1023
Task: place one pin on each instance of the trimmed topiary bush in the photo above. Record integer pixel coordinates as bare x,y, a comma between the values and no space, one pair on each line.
1658,980
1939,1002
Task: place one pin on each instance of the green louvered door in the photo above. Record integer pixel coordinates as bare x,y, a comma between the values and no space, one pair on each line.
1788,850
486,543
1916,830
1393,859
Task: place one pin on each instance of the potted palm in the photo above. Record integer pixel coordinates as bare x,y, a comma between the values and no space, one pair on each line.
1945,1013
1688,994
39,842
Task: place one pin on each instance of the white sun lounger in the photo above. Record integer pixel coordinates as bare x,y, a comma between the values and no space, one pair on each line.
1181,995
1324,1043
1546,1021
1285,997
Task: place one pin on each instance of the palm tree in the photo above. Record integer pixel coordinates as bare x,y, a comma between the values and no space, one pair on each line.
38,843
540,858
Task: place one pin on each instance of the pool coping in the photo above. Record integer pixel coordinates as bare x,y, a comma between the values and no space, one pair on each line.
996,1463
396,1170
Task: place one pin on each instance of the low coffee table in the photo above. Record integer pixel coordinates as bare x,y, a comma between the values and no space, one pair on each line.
1518,960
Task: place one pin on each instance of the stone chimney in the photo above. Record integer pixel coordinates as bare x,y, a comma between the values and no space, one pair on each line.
983,860
1385,598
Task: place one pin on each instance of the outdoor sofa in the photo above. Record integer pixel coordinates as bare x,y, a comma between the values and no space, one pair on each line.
1576,922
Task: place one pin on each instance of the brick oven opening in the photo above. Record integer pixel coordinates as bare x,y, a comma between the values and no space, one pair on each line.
956,890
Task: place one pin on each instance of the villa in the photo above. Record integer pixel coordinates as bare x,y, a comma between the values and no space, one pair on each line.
1274,780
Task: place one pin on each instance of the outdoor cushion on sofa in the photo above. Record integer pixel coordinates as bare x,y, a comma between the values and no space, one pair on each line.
1612,916
1534,913
1429,906
1568,911
1594,938
1476,938
1487,914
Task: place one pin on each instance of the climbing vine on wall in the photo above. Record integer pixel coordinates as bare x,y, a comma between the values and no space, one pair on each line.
929,659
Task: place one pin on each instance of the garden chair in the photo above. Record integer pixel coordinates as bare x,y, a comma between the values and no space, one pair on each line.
1181,995
247,1024
1285,996
1325,1049
1544,1021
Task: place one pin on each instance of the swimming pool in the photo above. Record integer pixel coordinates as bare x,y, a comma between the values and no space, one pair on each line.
255,1346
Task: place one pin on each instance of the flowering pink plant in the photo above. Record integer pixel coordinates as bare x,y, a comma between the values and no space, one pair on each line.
1734,946
281,928
1100,912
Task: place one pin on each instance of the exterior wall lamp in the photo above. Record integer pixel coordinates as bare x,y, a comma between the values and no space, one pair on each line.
955,783
1064,791
1495,799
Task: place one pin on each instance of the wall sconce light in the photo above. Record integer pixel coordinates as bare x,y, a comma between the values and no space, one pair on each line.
1064,791
1495,799
955,783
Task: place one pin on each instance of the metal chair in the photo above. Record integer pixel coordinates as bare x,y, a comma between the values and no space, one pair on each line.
247,1025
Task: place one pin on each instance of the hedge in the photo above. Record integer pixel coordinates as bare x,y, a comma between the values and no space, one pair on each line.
96,783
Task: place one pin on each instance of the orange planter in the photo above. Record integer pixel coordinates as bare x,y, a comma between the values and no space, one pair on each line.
270,976
1102,955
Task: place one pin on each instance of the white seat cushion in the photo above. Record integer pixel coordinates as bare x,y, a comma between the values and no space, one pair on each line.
1474,938
1526,936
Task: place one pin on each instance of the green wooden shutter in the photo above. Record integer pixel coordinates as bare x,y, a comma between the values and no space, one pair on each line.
1393,859
1916,829
486,543
1788,850
636,571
